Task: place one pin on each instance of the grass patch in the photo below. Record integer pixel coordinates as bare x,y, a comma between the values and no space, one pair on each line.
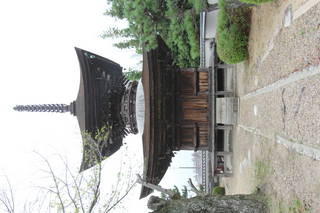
255,1
218,190
277,205
261,171
233,33
297,206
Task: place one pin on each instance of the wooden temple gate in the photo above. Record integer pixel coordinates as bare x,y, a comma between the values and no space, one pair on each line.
192,108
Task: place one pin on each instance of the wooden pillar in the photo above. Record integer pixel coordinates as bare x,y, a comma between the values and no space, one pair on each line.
196,83
195,136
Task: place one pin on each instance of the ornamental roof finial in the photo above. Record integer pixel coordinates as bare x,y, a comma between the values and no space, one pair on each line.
60,108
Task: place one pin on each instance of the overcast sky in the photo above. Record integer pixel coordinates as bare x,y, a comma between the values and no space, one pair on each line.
39,65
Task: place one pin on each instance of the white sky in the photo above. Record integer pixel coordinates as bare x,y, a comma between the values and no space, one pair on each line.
38,65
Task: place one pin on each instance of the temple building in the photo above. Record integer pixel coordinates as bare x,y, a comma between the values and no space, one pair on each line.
170,106
177,111
105,99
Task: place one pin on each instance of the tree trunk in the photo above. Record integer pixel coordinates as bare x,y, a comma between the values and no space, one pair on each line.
215,204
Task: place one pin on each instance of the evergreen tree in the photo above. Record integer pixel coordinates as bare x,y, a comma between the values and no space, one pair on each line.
133,75
175,21
184,192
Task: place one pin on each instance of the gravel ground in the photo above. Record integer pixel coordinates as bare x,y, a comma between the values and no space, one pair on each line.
294,48
291,110
287,176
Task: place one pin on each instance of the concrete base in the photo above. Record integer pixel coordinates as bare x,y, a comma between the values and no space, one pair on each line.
225,109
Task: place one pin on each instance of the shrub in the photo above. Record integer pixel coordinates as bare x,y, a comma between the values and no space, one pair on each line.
218,190
255,1
232,33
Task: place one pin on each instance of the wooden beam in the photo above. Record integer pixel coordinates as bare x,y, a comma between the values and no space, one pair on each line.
224,93
223,153
205,69
178,137
224,127
224,175
224,66
158,188
188,69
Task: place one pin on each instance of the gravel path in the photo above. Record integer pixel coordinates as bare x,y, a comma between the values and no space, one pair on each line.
276,142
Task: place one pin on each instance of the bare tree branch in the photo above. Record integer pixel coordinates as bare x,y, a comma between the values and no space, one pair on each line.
96,191
55,182
119,200
11,194
194,189
7,201
68,190
7,206
77,186
77,193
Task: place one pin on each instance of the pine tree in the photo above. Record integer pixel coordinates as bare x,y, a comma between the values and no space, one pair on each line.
175,21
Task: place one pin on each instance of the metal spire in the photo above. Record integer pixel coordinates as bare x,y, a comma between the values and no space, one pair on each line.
61,108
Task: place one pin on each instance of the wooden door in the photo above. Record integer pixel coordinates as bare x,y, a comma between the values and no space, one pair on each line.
192,109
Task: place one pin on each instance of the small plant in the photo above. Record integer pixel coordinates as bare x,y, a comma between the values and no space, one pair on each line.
261,170
218,190
302,32
201,188
297,206
255,1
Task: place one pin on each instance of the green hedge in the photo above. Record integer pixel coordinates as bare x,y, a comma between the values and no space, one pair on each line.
232,33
